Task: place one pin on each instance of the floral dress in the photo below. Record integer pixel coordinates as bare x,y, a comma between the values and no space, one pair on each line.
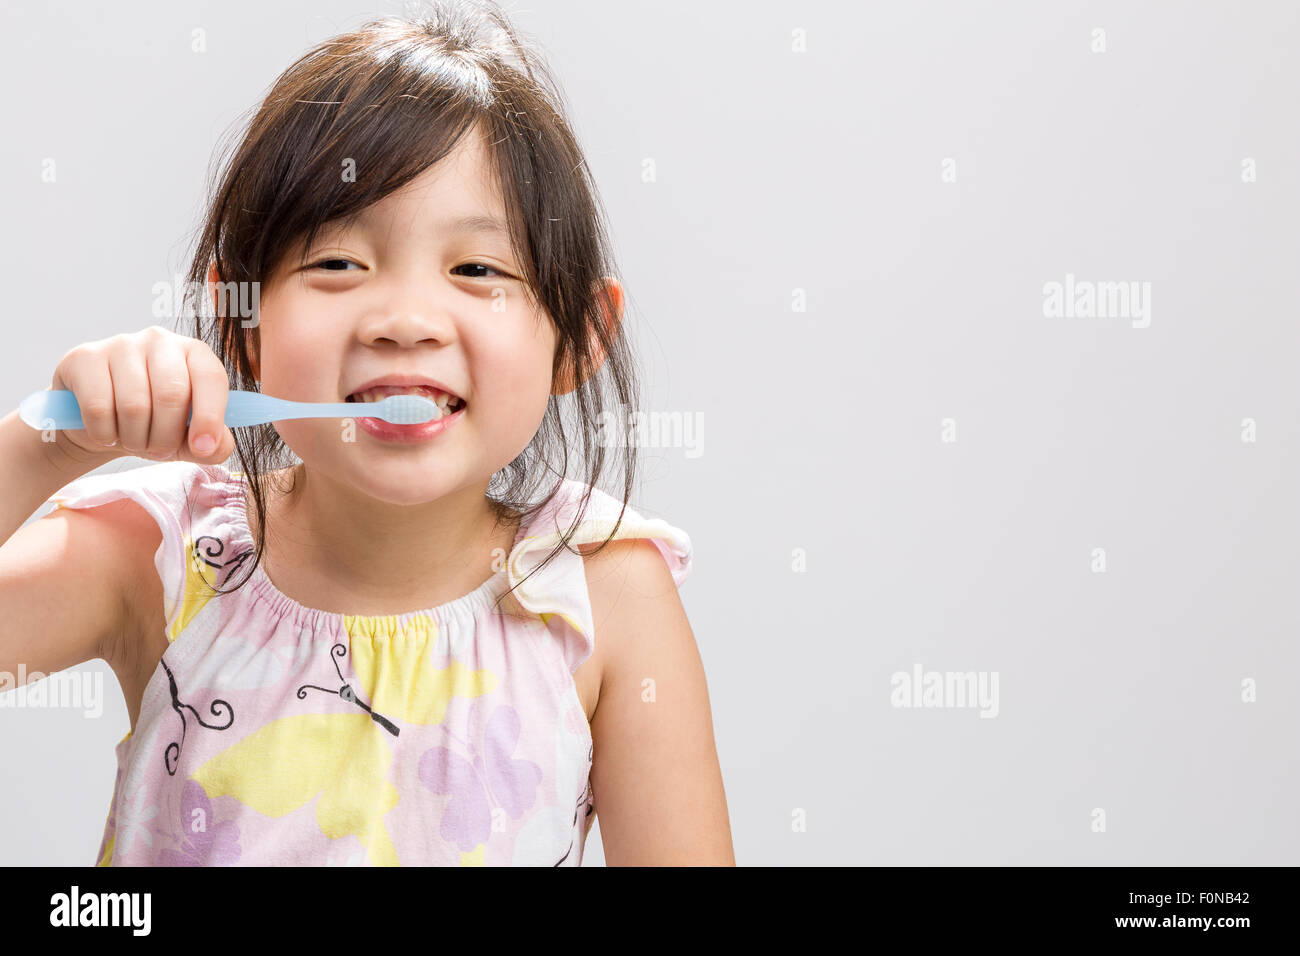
271,733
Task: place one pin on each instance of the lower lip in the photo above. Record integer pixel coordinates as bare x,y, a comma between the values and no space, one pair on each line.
387,431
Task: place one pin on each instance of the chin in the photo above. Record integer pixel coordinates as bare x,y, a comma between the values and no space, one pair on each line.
411,483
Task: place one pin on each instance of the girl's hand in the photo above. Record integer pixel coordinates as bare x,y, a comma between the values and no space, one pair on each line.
136,390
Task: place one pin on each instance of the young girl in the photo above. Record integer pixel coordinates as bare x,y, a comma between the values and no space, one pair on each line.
410,211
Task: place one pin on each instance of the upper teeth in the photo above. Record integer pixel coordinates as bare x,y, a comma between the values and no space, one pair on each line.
442,399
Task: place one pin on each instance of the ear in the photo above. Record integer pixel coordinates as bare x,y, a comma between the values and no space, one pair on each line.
214,278
611,313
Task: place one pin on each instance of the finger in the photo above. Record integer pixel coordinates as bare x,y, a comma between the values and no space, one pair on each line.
169,389
209,388
131,395
87,376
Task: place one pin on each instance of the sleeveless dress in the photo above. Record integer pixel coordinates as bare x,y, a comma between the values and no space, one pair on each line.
271,733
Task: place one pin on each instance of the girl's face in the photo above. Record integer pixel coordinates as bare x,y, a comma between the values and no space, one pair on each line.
409,290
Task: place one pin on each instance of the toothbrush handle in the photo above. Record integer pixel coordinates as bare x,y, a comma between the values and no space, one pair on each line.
51,409
256,408
58,409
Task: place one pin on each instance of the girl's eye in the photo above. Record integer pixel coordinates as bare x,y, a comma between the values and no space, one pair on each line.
478,265
340,265
329,265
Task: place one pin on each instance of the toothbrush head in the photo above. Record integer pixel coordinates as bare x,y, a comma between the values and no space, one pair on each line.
406,409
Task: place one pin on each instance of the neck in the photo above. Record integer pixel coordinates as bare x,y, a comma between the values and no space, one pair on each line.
334,548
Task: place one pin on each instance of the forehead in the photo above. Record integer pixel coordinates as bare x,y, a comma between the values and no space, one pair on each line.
459,193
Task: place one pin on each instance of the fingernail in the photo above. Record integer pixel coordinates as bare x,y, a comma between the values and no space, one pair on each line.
204,444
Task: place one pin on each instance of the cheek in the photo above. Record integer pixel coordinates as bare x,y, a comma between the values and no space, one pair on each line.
315,439
294,358
286,373
518,378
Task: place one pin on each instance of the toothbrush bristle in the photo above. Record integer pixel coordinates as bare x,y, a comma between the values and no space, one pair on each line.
409,409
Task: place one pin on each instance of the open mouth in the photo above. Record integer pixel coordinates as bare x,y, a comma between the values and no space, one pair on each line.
447,403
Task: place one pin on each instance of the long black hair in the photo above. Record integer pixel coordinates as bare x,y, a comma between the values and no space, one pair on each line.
397,95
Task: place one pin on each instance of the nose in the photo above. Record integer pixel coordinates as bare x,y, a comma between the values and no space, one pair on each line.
406,326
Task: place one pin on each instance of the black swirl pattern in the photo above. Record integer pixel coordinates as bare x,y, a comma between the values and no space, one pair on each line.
347,693
587,799
207,549
171,757
213,549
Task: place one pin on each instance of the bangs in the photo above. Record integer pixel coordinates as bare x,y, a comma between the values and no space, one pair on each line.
348,139
361,115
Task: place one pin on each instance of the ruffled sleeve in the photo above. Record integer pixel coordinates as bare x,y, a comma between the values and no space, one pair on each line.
173,493
558,592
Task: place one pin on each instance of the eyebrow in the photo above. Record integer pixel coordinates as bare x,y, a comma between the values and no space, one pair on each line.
478,224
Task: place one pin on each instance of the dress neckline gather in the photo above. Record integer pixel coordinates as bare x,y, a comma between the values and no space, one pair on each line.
467,605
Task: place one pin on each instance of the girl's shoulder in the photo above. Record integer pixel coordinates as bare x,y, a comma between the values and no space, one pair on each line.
596,517
168,485
603,537
178,504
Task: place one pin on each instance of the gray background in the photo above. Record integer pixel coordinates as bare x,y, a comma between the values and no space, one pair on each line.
820,171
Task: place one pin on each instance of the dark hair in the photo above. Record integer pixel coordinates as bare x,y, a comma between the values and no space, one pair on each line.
396,95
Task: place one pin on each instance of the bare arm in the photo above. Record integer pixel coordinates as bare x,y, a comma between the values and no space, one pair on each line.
69,583
63,577
655,773
32,469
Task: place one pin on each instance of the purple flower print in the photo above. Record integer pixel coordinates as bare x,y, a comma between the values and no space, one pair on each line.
215,845
494,775
467,821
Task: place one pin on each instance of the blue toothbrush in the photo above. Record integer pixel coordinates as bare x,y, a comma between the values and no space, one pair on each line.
58,409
